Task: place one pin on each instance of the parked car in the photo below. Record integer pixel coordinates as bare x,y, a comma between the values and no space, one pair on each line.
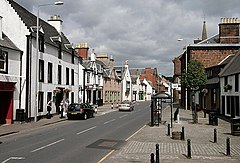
125,105
82,110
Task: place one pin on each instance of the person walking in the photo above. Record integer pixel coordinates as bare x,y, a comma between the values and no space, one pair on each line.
61,108
49,108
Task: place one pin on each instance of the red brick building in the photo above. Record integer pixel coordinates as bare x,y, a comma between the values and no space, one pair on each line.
210,52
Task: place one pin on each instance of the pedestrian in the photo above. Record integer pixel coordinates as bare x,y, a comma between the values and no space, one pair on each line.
49,108
61,109
112,106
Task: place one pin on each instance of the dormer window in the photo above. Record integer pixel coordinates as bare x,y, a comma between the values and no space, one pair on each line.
41,43
3,61
59,50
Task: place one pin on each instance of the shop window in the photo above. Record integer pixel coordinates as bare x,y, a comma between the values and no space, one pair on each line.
40,101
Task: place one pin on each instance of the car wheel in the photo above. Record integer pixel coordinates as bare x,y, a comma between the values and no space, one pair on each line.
85,116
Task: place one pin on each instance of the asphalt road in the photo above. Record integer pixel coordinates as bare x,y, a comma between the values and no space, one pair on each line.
75,140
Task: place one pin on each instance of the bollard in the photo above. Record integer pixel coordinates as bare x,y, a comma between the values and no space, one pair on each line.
228,146
189,155
215,136
152,158
157,153
168,133
182,134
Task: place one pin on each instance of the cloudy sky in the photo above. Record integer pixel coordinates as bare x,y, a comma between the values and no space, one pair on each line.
144,32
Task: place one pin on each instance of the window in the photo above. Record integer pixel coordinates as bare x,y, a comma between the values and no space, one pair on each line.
88,77
237,106
3,61
223,105
59,74
40,101
236,82
99,79
49,96
225,82
41,70
228,105
72,75
72,97
50,72
67,76
59,50
41,43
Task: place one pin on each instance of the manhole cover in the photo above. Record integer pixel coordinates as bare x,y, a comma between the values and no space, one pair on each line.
107,144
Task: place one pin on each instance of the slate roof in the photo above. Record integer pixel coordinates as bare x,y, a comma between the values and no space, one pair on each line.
30,20
6,42
232,67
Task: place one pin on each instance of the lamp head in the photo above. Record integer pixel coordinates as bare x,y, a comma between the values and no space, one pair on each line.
58,3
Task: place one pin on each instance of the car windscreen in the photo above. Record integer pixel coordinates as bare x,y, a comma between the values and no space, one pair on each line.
74,107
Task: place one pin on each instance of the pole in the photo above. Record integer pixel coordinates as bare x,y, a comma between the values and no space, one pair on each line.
36,92
186,92
171,104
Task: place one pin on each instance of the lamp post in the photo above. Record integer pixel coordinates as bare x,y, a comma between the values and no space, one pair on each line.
186,93
37,49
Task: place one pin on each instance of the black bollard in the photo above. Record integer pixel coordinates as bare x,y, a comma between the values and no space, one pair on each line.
189,155
152,158
215,136
182,134
228,146
157,153
168,131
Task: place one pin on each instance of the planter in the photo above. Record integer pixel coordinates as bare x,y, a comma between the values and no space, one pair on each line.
176,135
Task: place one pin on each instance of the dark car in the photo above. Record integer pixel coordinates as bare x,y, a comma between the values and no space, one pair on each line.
82,110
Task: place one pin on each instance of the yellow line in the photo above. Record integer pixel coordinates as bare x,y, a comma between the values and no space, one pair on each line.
135,133
106,156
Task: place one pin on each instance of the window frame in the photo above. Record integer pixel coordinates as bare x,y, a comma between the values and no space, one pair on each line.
67,76
50,70
41,70
59,74
5,62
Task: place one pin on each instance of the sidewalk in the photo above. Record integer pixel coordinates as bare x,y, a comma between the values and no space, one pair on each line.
25,126
140,146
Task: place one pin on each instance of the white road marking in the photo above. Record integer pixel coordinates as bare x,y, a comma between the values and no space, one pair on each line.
135,133
124,116
13,158
86,130
109,121
47,145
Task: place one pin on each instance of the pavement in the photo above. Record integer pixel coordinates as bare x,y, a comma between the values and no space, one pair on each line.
203,149
140,145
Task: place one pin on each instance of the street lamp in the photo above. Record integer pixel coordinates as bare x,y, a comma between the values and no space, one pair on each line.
37,49
186,100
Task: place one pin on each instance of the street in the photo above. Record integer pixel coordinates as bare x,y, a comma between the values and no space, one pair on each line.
75,140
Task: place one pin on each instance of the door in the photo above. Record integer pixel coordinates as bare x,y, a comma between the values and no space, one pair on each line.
6,107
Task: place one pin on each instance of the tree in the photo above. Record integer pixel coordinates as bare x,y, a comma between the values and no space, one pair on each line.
194,80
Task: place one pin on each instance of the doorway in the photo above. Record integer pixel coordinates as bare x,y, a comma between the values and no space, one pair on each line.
6,107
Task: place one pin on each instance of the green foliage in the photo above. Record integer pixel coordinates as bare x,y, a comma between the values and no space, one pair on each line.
195,76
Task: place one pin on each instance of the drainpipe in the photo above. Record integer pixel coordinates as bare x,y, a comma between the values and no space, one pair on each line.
84,85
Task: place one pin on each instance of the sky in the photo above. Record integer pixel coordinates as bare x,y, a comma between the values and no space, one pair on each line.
144,32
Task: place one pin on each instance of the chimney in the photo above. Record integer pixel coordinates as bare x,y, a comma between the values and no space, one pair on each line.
111,63
56,22
1,32
93,56
103,58
82,49
229,31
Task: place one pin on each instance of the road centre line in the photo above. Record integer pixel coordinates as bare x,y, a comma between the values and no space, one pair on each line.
13,158
109,121
86,130
124,116
47,145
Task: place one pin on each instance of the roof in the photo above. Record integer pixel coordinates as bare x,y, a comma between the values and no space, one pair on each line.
232,67
30,20
7,43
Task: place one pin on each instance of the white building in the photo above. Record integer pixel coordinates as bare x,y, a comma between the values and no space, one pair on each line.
230,88
57,78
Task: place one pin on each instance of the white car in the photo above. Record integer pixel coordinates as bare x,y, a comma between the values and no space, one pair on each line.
125,106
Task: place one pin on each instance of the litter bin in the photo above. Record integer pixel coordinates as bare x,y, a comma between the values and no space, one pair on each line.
20,115
213,119
235,126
